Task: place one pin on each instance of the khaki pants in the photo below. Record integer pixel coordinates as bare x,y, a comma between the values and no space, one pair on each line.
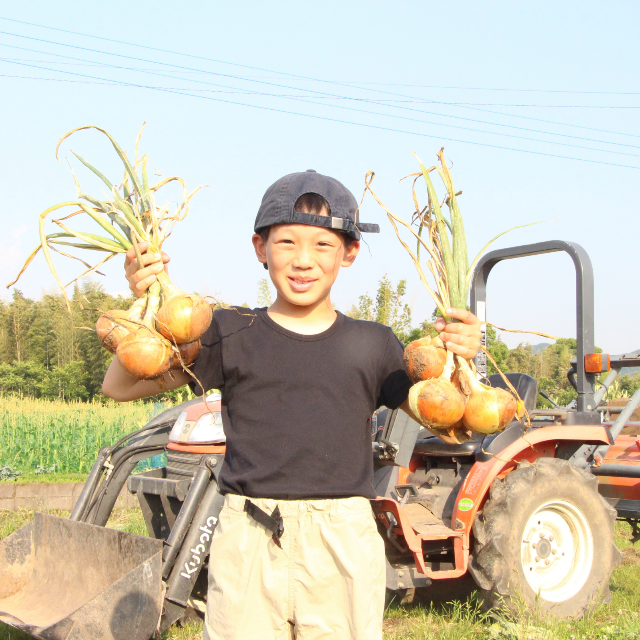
327,581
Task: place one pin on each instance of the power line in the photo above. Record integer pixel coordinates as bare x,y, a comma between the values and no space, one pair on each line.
260,93
436,86
564,144
381,101
326,94
318,117
189,55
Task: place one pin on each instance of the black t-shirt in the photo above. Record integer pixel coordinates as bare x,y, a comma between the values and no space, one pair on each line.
296,407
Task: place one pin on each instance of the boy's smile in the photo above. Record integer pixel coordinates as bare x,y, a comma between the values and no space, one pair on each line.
300,284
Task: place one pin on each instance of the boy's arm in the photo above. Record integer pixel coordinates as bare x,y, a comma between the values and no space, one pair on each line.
118,384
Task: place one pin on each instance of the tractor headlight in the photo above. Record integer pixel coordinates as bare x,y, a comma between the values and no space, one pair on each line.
208,428
176,432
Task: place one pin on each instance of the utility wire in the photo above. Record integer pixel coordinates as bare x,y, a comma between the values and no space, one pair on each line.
381,101
375,113
436,86
189,55
326,94
325,118
261,93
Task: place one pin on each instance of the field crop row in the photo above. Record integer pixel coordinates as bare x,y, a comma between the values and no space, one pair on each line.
43,433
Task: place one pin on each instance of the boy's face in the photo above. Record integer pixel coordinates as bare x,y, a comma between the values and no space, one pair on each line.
304,260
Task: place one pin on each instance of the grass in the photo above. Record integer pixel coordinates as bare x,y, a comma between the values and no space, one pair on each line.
459,619
49,477
63,435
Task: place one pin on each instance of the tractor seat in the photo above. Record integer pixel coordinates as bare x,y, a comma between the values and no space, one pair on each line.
433,446
527,388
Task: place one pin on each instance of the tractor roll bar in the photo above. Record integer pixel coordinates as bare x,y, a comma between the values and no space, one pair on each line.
584,305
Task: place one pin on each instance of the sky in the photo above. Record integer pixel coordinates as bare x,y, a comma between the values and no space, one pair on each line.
536,105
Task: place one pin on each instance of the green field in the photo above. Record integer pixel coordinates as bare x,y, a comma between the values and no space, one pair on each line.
61,435
433,618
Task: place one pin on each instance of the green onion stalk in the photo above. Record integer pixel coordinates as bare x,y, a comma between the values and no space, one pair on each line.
440,379
162,329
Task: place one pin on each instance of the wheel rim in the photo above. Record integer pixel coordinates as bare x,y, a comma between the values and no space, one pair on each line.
557,550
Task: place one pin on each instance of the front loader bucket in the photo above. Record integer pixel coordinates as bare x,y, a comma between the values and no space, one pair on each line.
66,580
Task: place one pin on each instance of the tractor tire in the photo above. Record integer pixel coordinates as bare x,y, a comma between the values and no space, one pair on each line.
536,539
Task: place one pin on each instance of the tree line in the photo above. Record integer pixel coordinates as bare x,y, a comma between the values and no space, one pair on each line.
48,352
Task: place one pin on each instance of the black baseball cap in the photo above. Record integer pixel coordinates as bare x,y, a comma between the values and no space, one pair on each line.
278,202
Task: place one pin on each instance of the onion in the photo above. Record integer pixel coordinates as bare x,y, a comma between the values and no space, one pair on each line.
436,402
455,434
112,326
424,358
183,317
145,354
188,353
488,409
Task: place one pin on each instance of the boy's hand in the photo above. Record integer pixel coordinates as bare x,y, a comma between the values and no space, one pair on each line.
141,279
461,337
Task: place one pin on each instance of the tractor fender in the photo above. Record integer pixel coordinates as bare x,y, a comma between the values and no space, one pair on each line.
534,444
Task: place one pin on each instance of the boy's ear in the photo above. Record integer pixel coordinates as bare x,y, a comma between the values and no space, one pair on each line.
350,253
260,247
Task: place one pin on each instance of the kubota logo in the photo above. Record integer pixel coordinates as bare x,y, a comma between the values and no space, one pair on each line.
201,549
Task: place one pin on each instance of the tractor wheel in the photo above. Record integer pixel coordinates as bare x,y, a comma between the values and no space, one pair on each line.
536,540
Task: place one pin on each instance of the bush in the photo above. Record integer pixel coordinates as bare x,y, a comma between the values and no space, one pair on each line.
30,379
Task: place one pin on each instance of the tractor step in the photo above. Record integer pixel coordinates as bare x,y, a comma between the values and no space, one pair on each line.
425,523
625,508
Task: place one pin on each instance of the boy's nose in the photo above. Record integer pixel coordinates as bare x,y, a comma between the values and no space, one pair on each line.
303,259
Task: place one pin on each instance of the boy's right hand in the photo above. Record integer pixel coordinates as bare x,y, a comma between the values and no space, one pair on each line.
141,279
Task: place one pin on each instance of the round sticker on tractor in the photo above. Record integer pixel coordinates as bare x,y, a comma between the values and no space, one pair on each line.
465,504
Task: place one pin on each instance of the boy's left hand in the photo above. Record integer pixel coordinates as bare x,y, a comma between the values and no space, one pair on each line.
461,337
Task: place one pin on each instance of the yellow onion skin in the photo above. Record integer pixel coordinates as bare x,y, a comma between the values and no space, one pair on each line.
111,328
437,403
489,410
423,359
188,353
455,434
458,432
183,318
145,354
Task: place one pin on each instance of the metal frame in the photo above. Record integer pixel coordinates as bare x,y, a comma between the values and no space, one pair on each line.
584,304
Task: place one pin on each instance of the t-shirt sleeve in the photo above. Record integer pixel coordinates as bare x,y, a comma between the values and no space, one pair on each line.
395,381
207,368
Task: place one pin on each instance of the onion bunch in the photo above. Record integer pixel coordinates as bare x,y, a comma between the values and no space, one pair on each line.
447,396
161,331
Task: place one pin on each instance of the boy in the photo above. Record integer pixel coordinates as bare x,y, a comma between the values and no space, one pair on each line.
299,383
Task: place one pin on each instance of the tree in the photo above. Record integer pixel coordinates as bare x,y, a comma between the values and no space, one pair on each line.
264,293
629,384
67,383
425,329
498,350
26,378
20,317
389,308
64,355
